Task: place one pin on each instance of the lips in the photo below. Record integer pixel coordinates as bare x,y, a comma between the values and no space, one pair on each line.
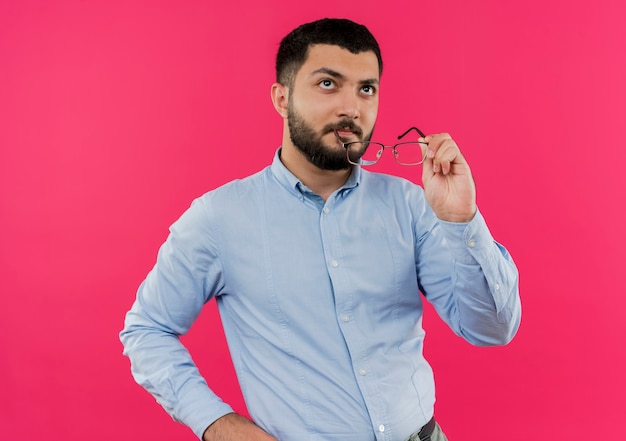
343,133
346,132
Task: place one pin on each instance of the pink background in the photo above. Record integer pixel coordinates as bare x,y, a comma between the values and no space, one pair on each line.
115,115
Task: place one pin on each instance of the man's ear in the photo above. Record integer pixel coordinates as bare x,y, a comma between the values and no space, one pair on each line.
280,98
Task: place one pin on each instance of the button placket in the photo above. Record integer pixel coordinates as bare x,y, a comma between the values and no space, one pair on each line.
339,275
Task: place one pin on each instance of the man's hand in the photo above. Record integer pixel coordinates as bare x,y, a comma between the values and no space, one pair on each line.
234,427
448,182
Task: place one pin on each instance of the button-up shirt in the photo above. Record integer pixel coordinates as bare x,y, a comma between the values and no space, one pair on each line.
320,303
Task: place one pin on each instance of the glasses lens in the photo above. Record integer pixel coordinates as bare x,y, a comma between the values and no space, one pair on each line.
364,153
410,153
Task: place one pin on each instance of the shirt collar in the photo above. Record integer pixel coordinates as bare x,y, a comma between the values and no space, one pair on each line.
296,187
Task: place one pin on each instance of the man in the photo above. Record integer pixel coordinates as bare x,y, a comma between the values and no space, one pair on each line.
316,265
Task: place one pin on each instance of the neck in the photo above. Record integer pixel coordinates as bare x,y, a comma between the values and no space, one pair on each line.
321,182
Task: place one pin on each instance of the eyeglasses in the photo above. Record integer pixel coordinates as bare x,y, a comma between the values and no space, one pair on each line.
369,153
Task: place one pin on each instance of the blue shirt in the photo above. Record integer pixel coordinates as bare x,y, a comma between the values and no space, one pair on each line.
320,303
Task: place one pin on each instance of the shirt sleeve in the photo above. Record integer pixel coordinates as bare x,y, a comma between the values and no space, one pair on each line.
187,274
471,280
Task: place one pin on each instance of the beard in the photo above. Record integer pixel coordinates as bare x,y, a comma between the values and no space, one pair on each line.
310,144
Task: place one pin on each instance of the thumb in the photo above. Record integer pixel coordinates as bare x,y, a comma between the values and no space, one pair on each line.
427,165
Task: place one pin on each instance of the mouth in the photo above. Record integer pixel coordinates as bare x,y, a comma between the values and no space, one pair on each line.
345,134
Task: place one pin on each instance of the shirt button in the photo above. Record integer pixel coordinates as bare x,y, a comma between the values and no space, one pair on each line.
345,318
334,263
471,243
381,428
497,287
326,210
362,372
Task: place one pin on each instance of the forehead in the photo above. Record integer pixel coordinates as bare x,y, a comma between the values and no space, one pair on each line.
363,65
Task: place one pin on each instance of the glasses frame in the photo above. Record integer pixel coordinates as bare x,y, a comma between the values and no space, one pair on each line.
382,148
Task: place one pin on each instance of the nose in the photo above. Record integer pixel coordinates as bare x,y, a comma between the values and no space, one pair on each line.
349,106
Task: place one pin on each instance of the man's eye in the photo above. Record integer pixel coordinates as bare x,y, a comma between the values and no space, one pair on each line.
327,84
368,90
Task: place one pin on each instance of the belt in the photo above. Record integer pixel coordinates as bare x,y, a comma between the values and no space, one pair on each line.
427,430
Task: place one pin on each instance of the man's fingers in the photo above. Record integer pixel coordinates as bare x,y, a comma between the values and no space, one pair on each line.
443,151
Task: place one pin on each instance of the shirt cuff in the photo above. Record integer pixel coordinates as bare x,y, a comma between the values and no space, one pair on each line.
203,409
468,241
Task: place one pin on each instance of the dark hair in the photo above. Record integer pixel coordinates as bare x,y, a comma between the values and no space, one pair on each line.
344,33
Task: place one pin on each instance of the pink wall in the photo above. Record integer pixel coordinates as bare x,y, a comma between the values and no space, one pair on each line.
114,115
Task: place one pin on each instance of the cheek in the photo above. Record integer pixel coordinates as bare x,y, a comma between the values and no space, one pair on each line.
319,116
369,114
313,110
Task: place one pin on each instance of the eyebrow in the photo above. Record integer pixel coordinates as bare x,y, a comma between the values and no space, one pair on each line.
340,76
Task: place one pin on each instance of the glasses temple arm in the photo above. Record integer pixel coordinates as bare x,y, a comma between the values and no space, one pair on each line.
412,128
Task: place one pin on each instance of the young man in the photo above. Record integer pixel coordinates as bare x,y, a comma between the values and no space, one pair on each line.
317,264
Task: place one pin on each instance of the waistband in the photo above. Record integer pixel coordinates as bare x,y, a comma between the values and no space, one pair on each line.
427,430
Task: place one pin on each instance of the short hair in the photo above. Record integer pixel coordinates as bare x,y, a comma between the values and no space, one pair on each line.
294,48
